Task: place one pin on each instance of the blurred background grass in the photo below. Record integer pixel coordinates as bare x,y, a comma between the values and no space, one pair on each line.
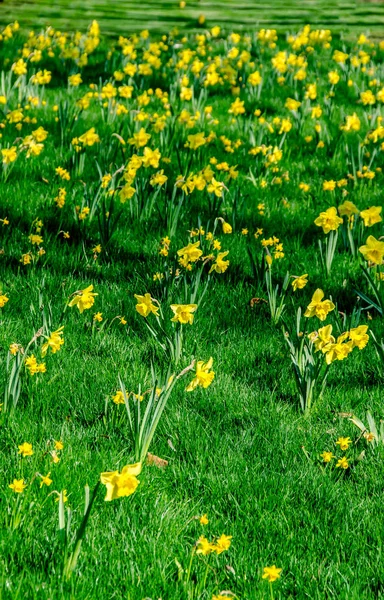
124,16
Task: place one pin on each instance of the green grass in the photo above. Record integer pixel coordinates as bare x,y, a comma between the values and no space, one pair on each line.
241,450
161,16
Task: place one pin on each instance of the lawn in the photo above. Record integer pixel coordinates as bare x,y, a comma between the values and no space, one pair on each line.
191,321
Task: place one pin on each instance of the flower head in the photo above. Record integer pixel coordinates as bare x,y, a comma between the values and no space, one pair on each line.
54,342
271,573
84,299
25,449
319,307
203,376
18,486
145,305
342,463
329,220
344,442
327,456
220,265
222,543
121,484
371,215
183,313
373,250
299,282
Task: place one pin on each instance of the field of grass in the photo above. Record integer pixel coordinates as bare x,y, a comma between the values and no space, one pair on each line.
126,16
116,158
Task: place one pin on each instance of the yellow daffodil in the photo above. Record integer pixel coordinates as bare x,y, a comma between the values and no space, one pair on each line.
183,313
373,250
18,486
318,307
329,220
203,376
54,342
121,484
25,449
220,265
371,215
299,282
84,299
271,573
145,305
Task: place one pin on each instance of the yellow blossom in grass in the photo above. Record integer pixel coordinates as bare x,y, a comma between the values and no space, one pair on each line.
292,104
255,78
342,463
203,376
84,299
75,80
271,573
159,178
352,123
105,180
322,338
347,209
329,186
98,317
203,520
19,67
338,350
36,240
18,486
204,546
118,398
222,543
9,155
54,341
237,107
327,456
319,307
359,337
121,484
329,220
45,480
63,173
89,138
14,348
183,313
344,442
145,305
216,187
220,265
3,300
25,449
190,253
373,250
140,139
196,140
64,495
33,366
151,158
227,227
371,215
55,458
58,445
299,282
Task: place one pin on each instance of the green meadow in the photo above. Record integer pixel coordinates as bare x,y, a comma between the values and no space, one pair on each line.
170,207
